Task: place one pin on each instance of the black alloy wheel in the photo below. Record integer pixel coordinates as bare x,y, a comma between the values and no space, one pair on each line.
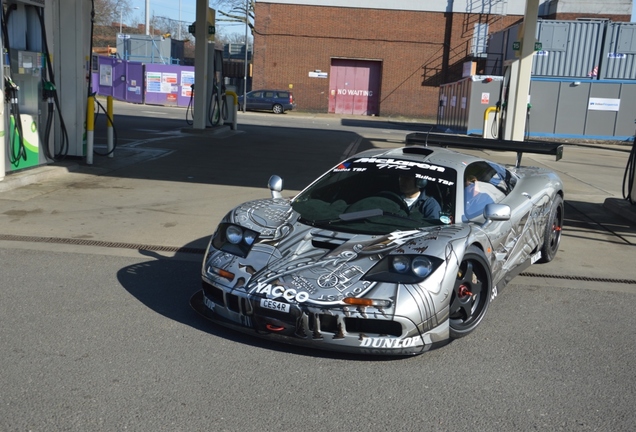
471,293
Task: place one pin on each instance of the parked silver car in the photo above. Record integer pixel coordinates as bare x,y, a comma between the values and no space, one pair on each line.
389,252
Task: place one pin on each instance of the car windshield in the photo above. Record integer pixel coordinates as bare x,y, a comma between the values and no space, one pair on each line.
378,196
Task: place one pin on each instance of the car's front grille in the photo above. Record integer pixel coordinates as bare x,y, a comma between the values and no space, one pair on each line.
329,323
232,302
381,327
213,293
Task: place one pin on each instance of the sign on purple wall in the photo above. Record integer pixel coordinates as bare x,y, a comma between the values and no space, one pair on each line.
169,84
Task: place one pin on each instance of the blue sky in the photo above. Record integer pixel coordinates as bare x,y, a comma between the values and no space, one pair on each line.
170,9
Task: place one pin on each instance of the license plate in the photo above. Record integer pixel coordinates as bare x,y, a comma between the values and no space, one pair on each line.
274,305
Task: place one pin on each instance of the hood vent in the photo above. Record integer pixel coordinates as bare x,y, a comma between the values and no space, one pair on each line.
417,149
323,244
330,240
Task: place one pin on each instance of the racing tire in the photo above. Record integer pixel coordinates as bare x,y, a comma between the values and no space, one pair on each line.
278,109
552,234
471,293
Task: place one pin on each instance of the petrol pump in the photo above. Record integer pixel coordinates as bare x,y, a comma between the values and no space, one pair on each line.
24,75
210,106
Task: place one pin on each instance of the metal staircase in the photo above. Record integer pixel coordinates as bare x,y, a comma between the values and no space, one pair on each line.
481,18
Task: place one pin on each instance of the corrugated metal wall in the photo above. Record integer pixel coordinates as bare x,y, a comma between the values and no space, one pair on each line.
462,104
587,109
619,52
583,80
561,108
587,49
570,49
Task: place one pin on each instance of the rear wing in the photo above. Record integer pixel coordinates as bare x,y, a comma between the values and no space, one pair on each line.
479,143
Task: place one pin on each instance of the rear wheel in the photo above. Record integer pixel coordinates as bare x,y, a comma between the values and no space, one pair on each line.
278,109
471,293
552,234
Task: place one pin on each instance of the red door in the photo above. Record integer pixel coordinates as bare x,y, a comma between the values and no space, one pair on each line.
354,87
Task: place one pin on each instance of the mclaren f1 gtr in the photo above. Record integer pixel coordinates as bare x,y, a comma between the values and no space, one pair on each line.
390,252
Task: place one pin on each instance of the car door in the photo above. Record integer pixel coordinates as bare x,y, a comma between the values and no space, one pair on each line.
523,234
269,99
489,183
254,100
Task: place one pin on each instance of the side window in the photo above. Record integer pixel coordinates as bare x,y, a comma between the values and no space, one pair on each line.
255,94
269,94
283,95
483,184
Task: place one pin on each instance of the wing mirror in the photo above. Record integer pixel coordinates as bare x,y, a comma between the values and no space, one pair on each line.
275,185
496,212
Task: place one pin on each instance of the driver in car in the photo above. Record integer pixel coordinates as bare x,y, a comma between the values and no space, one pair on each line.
412,190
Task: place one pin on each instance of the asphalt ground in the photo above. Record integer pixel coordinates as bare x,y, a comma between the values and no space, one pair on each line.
168,185
98,262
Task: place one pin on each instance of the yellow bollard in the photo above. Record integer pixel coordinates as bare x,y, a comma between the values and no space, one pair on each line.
232,110
90,129
488,133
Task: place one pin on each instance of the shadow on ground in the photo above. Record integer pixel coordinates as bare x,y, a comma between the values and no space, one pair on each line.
585,218
165,285
246,159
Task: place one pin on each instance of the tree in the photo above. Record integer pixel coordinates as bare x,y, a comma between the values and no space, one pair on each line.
233,11
168,25
108,12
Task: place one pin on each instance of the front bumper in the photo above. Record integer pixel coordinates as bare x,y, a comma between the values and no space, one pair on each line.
324,330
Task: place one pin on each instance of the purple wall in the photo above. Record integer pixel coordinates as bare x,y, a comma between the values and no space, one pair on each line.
120,79
153,84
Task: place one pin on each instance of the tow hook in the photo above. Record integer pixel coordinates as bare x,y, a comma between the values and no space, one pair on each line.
274,328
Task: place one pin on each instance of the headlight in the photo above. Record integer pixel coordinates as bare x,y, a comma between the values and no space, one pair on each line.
401,264
234,239
403,268
422,266
234,234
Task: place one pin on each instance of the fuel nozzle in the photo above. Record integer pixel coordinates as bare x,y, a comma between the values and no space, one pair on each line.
10,90
48,91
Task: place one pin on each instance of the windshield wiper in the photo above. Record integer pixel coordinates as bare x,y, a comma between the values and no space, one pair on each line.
355,216
362,214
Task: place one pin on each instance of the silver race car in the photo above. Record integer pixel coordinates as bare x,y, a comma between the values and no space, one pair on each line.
390,252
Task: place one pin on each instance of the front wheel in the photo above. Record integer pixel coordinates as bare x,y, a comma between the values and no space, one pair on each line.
471,293
278,109
552,234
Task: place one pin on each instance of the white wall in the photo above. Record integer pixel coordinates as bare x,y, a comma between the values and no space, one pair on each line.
594,7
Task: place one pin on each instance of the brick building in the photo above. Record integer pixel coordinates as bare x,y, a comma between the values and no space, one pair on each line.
380,57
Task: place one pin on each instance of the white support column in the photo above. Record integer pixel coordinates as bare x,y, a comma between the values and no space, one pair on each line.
511,71
147,23
520,81
70,53
200,65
